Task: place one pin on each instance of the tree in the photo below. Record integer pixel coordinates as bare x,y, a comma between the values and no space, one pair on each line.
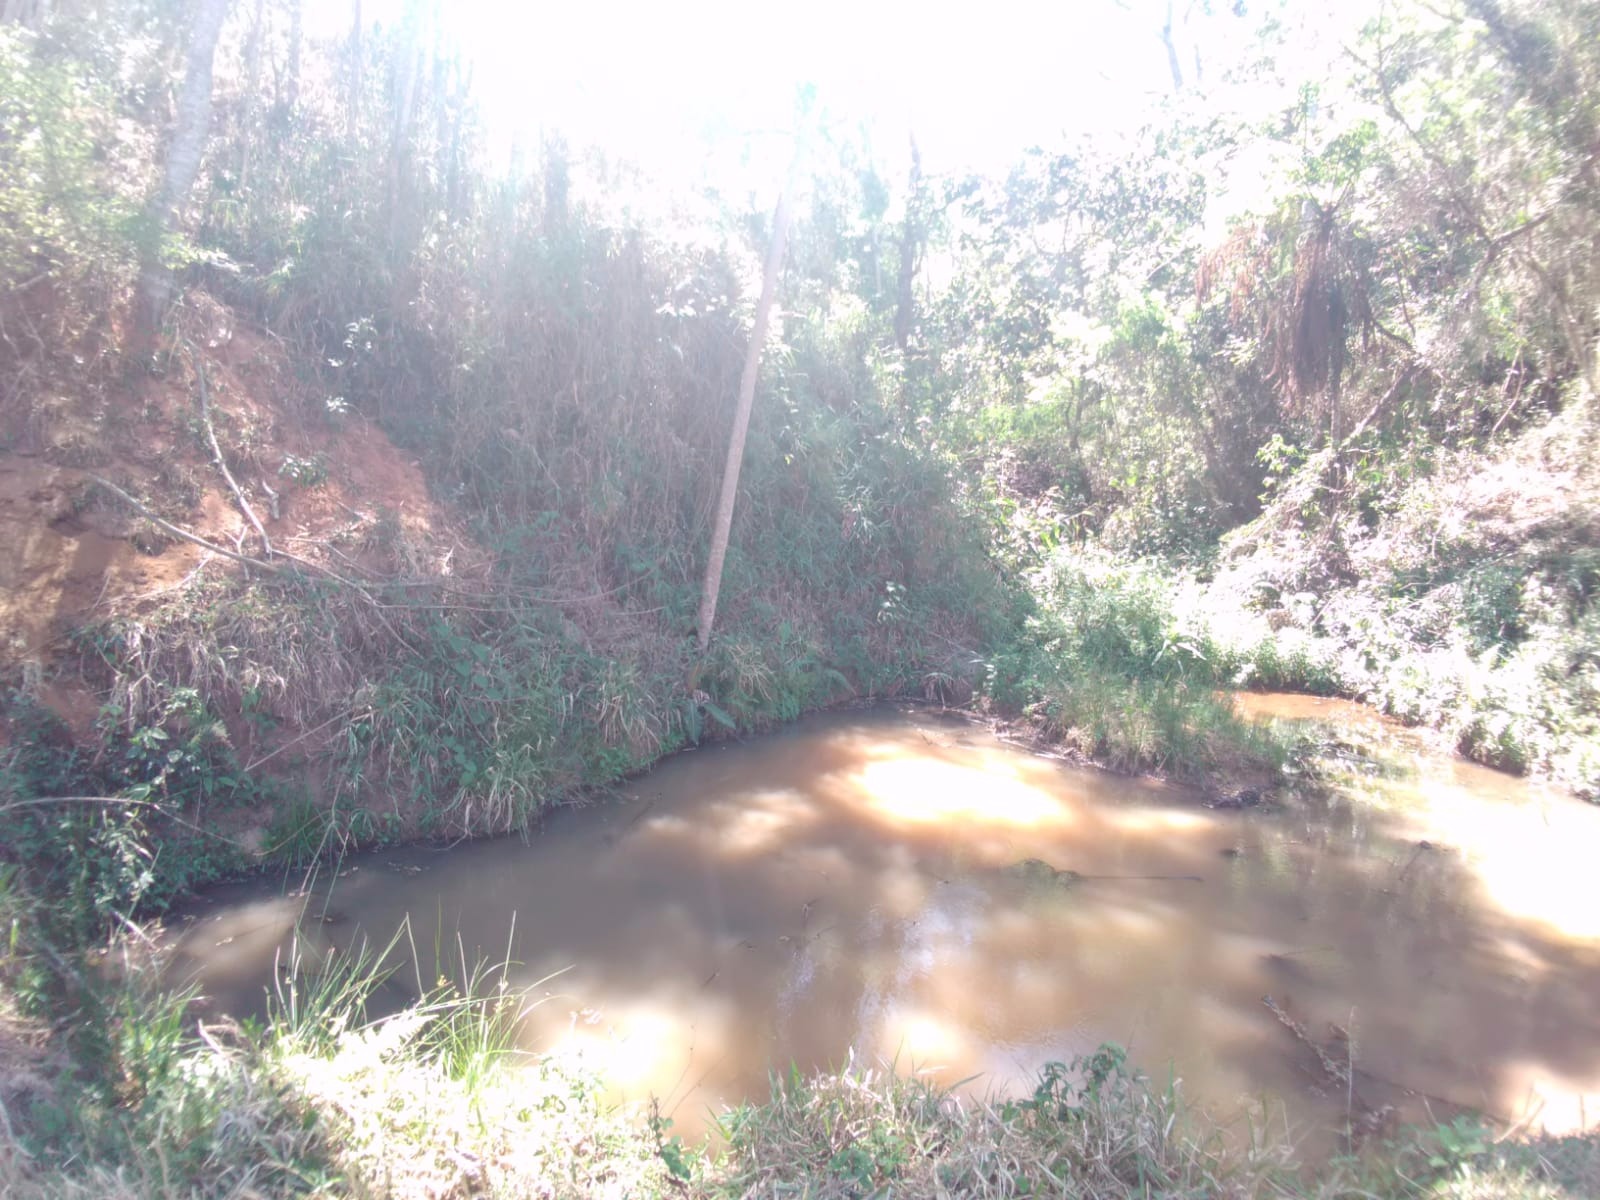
1172,50
911,239
1298,282
352,110
291,94
30,14
741,423
183,162
1495,138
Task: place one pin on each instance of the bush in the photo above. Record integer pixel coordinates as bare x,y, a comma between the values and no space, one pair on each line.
1110,667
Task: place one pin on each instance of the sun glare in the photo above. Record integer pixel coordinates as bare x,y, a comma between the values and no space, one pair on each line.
913,791
683,88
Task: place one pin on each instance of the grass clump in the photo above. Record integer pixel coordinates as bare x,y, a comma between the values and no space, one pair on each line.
495,1120
1092,1128
130,1097
1109,666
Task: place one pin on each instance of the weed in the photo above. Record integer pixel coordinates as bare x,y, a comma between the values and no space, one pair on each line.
299,834
307,472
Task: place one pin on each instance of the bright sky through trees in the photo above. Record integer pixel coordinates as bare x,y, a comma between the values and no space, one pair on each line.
657,84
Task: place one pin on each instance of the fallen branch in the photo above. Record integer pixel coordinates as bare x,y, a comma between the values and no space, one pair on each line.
216,450
271,568
1337,1072
16,289
179,532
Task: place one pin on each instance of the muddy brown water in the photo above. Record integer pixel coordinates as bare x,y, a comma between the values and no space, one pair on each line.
851,887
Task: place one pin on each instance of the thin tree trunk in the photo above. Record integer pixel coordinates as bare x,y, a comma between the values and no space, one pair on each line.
30,14
741,423
400,147
353,101
291,93
252,83
183,163
1172,51
910,244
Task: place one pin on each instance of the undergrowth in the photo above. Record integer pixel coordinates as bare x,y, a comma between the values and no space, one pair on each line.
1111,668
1466,603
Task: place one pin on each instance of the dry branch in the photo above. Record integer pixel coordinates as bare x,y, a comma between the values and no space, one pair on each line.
216,450
1337,1072
179,532
195,539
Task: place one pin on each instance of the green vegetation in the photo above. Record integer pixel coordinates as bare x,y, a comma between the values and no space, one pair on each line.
1296,392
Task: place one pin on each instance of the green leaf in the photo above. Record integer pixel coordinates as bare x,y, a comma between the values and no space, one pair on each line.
719,715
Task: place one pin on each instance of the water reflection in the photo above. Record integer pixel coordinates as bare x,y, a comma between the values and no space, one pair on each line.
859,885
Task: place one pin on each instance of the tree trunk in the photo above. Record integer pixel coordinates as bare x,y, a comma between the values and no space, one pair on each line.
291,92
352,109
910,244
1172,51
183,163
409,62
741,423
252,83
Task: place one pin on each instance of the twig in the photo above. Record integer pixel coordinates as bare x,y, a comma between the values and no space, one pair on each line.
178,532
271,568
328,546
119,802
40,801
294,741
173,587
28,283
1336,1071
216,450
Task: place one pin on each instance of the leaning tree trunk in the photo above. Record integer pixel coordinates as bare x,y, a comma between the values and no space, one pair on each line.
910,246
183,163
741,424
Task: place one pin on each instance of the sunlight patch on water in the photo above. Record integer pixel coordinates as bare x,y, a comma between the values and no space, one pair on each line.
1535,859
911,791
636,1050
1551,1100
921,1040
1156,821
759,822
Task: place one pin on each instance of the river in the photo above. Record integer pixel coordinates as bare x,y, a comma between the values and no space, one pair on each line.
904,886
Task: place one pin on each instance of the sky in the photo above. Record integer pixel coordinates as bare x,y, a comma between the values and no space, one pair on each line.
673,86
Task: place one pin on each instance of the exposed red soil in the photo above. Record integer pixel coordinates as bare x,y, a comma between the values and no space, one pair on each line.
69,552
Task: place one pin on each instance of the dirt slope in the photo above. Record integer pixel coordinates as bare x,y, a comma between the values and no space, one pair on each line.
328,487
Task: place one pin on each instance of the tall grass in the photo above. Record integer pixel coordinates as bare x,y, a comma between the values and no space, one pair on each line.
1110,668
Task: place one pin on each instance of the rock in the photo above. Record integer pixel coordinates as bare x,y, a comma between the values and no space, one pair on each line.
1038,873
1248,797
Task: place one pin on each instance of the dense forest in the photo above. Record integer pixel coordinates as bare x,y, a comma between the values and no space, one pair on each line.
359,480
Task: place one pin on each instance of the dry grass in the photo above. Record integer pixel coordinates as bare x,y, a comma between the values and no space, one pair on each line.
407,1125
